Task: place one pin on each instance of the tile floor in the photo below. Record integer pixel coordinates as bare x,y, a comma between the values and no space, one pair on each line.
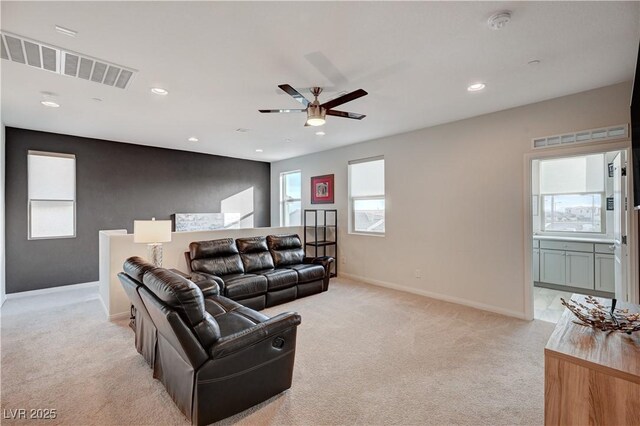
547,305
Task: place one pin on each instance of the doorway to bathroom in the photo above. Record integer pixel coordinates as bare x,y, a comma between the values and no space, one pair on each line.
578,229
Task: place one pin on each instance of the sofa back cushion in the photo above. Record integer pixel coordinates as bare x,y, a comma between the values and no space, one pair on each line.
186,299
255,254
216,257
136,267
286,249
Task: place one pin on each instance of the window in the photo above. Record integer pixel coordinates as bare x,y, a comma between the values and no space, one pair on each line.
366,196
52,195
291,198
573,212
573,194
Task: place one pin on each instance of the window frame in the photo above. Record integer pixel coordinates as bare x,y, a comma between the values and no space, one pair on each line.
603,213
31,200
353,199
283,202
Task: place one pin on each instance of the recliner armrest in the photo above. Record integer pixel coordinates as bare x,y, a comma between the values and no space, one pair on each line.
320,260
242,339
210,285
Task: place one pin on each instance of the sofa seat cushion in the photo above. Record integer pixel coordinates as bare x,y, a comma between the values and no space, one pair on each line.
308,272
240,286
280,278
220,305
233,322
231,316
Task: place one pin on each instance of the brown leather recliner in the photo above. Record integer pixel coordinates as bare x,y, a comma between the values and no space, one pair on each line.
259,272
214,356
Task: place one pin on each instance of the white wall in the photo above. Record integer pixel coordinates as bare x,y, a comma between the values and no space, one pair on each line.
454,199
3,293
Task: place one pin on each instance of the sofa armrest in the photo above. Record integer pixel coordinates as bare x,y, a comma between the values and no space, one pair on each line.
320,260
324,261
245,338
210,285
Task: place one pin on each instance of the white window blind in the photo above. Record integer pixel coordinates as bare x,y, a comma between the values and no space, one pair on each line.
52,194
367,178
572,175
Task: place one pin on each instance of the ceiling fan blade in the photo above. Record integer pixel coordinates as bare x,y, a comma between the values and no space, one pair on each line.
295,94
281,110
344,114
344,99
326,68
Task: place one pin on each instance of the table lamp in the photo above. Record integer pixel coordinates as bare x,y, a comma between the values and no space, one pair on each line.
154,233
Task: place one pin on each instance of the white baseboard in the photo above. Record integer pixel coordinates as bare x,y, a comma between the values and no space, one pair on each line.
119,316
104,306
52,290
113,317
438,296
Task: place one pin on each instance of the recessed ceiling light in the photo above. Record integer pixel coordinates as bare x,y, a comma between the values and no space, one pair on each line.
320,133
534,62
193,139
159,91
476,87
258,150
242,130
97,99
66,31
50,104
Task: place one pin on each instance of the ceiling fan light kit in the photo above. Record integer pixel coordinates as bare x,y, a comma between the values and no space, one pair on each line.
316,115
317,112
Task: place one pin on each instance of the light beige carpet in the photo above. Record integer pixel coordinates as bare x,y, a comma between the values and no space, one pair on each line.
366,355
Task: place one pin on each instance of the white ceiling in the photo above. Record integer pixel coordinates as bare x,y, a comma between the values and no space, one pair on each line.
223,61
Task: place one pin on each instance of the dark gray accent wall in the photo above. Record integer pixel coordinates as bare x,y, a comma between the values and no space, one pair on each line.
115,184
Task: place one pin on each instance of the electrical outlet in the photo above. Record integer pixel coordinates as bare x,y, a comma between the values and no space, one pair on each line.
418,273
343,260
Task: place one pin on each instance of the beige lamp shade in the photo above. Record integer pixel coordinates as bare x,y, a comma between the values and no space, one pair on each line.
151,231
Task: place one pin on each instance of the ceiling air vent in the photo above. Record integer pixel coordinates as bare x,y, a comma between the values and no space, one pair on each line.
36,54
586,136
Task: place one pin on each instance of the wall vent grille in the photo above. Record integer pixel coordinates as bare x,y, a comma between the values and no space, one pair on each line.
50,58
586,136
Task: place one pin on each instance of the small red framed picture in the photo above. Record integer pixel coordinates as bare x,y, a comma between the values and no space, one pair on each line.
322,189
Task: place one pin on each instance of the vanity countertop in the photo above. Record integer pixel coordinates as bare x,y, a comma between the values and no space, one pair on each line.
575,239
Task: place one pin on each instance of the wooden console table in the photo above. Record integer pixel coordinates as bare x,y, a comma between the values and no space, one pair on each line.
591,377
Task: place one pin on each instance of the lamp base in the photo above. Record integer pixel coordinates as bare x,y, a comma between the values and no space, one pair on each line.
154,252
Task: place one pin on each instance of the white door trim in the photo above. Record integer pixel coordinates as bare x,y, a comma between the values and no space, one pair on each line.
632,245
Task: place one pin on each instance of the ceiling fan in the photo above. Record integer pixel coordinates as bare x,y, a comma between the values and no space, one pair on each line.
316,112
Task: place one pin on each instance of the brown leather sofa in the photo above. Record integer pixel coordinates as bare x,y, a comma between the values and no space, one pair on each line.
215,357
258,272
